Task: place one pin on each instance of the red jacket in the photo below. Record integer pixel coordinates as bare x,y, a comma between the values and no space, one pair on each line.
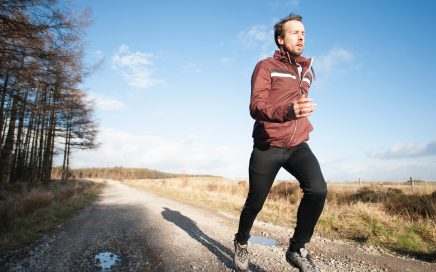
276,83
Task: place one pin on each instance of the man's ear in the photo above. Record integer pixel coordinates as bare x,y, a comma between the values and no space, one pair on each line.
280,40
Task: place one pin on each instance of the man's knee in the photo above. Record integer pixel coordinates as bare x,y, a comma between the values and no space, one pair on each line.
319,191
322,192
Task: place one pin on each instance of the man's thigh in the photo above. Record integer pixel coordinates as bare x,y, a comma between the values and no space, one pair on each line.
304,166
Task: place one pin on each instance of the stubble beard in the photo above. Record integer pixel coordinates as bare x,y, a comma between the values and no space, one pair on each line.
293,53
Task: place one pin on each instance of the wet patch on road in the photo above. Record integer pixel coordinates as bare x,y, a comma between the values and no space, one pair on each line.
260,240
105,261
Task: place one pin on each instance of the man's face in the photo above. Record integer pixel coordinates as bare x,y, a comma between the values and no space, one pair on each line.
293,42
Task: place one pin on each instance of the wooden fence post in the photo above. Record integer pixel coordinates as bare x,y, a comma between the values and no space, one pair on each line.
412,184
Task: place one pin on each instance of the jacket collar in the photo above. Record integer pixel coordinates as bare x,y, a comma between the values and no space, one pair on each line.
280,55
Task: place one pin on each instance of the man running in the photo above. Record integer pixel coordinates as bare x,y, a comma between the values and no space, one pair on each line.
281,107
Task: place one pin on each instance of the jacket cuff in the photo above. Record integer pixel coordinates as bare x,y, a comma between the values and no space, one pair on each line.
290,115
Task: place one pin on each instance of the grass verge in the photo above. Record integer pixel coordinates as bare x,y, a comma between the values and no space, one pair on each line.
381,216
28,211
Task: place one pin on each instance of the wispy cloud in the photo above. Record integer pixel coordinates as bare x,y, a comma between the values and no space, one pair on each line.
406,150
336,60
136,67
98,54
284,3
225,60
258,37
192,67
106,103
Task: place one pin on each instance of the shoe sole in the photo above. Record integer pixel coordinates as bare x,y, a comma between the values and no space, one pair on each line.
241,270
293,265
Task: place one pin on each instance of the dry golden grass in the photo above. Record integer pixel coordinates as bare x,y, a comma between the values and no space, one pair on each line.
386,215
418,188
27,211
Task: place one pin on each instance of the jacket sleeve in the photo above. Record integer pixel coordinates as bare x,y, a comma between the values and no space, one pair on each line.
260,108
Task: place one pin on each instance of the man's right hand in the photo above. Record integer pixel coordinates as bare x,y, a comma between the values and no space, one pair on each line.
303,107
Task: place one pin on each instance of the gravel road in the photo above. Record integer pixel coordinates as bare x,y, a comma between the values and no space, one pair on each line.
130,230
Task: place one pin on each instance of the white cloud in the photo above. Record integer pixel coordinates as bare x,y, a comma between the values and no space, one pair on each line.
258,33
397,163
98,54
193,155
225,60
106,103
285,3
258,37
192,67
352,168
135,67
187,155
336,60
406,150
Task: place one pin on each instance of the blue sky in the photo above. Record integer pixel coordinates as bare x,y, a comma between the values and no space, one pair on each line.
173,91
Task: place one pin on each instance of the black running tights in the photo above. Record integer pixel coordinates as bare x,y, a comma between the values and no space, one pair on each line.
265,162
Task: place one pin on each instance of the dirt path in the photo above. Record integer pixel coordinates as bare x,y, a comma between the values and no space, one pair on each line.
144,232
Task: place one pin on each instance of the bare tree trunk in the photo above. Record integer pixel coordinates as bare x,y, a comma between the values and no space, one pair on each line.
5,119
33,151
46,167
18,154
27,140
6,154
65,164
2,103
68,155
41,135
50,165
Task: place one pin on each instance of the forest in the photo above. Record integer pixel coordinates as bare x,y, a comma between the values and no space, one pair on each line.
43,111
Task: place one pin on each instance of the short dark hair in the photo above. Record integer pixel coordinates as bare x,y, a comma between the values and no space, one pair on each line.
278,28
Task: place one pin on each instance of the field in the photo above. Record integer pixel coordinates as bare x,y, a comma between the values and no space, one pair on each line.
389,215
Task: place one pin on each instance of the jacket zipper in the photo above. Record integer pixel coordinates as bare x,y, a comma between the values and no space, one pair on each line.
301,80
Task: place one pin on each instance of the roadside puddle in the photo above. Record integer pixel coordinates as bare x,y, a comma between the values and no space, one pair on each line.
106,260
262,241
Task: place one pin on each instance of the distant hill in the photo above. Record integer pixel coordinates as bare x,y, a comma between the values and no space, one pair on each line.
117,173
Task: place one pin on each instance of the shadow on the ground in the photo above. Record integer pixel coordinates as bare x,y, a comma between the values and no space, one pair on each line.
223,254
